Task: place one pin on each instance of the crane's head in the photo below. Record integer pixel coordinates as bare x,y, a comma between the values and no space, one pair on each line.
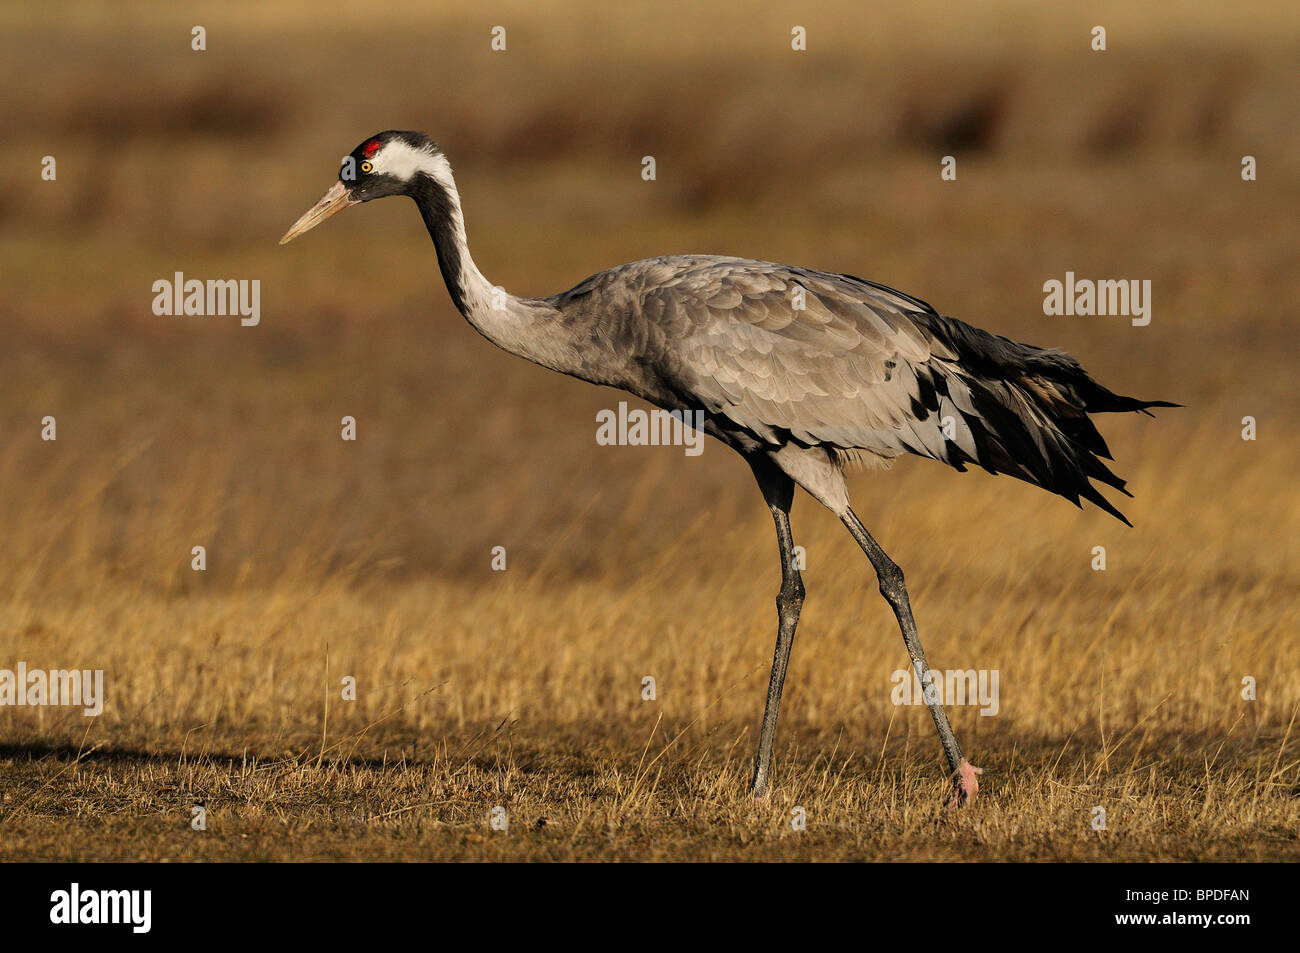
388,163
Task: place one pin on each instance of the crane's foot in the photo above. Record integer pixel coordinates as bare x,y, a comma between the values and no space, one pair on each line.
964,784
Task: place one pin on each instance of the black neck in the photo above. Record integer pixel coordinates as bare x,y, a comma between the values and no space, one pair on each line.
439,211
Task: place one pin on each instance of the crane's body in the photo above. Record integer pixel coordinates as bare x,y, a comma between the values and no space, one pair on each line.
802,372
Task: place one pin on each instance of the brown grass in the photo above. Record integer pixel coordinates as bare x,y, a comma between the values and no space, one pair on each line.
1119,689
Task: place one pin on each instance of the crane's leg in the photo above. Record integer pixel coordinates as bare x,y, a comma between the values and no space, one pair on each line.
892,588
778,490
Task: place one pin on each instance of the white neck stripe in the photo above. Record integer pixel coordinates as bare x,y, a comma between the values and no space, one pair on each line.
402,160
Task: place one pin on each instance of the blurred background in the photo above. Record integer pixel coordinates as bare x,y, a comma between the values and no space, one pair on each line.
175,432
1123,164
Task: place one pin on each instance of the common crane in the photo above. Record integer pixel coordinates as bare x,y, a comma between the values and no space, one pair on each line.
801,372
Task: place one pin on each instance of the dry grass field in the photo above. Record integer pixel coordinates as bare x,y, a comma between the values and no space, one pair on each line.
1119,689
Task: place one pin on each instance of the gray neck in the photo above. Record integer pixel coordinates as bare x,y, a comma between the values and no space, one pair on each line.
528,327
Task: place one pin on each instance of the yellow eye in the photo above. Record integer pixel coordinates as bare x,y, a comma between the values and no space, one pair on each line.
366,167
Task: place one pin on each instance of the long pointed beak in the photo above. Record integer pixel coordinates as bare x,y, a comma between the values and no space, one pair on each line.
335,200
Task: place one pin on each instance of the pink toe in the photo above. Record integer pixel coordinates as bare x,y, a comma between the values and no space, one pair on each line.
965,784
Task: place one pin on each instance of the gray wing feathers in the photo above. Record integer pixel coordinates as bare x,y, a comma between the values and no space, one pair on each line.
861,369
852,369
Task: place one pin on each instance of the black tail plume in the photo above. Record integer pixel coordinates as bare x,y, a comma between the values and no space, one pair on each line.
1031,412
